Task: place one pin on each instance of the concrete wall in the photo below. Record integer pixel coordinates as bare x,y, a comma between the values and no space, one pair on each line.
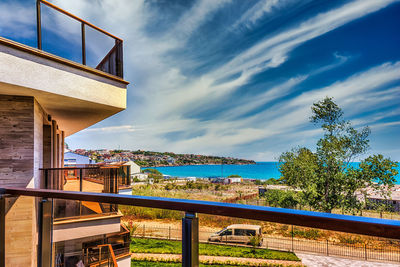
124,262
86,228
75,98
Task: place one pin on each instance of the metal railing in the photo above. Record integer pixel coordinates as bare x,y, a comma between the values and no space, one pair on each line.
190,227
292,244
112,63
101,255
91,178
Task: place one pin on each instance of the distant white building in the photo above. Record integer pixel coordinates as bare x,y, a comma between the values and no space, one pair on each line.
72,159
233,180
136,171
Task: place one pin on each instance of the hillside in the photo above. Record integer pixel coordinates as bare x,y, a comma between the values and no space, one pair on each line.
157,159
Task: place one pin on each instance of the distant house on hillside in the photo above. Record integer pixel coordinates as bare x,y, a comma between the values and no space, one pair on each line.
233,180
72,159
171,160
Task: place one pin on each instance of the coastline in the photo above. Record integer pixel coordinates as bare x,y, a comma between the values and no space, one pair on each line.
258,171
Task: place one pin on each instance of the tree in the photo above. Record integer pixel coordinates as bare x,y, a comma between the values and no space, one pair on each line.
327,177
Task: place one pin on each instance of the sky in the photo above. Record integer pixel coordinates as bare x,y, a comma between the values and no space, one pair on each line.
232,78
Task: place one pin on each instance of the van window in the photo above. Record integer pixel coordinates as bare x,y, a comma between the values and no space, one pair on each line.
245,232
251,232
226,232
240,232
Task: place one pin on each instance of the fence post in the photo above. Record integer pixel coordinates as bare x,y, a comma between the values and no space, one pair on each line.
327,247
169,232
190,240
144,230
2,230
292,238
365,251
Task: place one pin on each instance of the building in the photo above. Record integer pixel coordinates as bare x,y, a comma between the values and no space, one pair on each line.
43,99
72,159
233,180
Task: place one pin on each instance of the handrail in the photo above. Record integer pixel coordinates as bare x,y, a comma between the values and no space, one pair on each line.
82,168
111,251
336,222
114,69
79,19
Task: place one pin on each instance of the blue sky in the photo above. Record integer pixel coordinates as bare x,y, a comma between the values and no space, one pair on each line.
234,78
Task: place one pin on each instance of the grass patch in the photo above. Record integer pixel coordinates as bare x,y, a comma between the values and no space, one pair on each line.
147,263
142,245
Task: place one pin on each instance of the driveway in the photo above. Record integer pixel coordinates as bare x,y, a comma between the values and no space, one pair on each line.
311,260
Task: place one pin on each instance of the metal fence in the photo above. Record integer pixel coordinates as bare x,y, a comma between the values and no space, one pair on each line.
329,248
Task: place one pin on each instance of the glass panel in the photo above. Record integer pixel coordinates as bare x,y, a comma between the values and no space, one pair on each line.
91,239
61,35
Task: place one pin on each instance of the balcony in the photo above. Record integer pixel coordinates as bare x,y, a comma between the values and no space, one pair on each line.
190,225
76,92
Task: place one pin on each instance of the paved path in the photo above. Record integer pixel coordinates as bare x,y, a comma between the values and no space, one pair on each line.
311,260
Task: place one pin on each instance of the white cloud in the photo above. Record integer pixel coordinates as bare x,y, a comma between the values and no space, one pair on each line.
112,129
272,51
17,20
258,11
164,95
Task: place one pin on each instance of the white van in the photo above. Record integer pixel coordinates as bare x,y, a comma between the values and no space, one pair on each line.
237,233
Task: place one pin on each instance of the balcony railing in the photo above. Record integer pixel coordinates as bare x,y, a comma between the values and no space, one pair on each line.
88,178
112,62
190,232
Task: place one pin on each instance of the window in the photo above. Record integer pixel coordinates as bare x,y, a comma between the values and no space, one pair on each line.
240,232
251,232
226,232
245,232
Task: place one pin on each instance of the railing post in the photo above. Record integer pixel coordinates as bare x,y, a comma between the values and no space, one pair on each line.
46,179
119,58
38,25
45,233
83,43
80,180
190,240
2,229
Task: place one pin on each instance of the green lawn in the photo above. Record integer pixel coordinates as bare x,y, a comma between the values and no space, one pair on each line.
143,245
137,263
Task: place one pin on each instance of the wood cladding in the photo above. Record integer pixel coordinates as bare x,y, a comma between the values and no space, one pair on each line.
16,140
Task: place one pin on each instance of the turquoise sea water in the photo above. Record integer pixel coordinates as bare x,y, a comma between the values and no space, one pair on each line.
261,170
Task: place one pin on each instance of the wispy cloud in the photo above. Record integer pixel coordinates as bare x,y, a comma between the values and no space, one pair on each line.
17,20
112,129
253,108
258,11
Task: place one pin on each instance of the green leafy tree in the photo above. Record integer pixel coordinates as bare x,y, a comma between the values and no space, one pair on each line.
327,177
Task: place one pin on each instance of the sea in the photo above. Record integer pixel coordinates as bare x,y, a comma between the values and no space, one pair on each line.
259,171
